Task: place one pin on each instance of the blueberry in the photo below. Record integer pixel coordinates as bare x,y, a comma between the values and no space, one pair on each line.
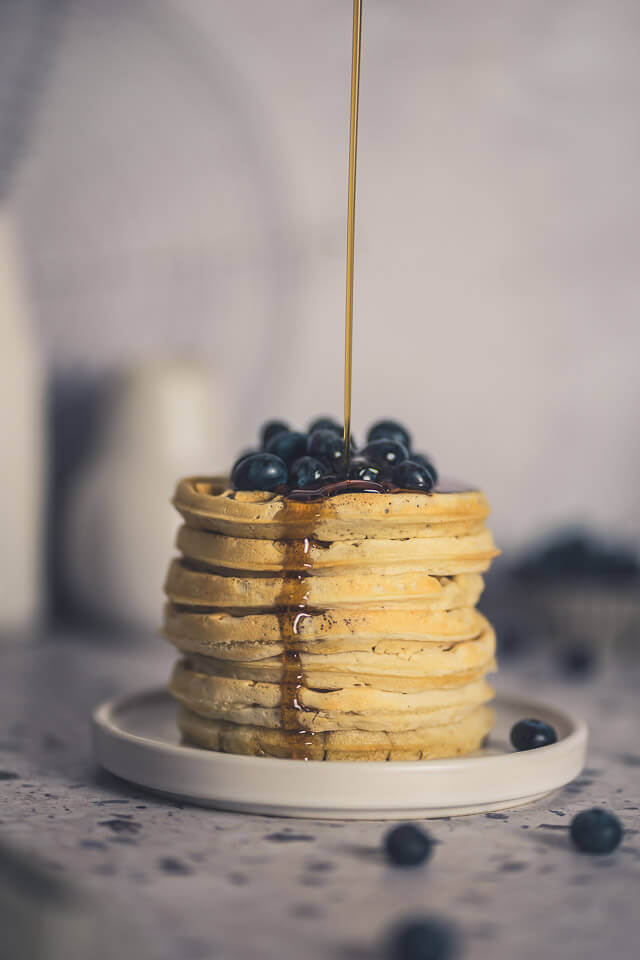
262,471
596,831
308,472
269,430
325,423
426,462
385,454
412,476
529,734
424,938
361,469
389,430
288,445
327,446
407,846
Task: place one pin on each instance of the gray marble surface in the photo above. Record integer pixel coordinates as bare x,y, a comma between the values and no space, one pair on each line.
166,880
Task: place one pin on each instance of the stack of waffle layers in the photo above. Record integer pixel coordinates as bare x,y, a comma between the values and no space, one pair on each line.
374,597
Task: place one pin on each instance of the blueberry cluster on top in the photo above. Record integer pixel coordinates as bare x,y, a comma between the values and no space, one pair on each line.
291,460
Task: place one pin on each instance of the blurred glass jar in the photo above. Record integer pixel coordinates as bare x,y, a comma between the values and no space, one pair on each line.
167,420
21,428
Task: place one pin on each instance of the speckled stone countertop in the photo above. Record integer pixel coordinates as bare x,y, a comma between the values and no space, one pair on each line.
190,883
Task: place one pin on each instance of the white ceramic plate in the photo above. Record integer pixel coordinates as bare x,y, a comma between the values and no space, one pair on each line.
136,738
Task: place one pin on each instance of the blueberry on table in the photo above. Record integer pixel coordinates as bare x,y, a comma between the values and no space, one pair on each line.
529,734
424,938
385,454
426,462
408,845
326,423
412,476
308,472
389,430
262,471
288,445
596,831
361,469
269,430
327,446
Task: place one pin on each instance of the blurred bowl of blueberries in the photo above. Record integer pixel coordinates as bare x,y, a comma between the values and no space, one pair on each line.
583,594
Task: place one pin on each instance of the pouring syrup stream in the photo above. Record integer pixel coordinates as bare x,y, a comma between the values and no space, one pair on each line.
351,220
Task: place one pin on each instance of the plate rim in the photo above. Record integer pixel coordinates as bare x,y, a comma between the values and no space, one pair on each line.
103,720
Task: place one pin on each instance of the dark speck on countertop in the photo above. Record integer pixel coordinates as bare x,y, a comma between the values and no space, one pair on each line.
320,866
8,775
289,837
306,910
497,816
120,825
174,866
51,742
312,880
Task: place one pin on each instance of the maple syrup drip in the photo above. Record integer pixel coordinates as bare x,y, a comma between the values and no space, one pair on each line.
351,219
292,610
336,487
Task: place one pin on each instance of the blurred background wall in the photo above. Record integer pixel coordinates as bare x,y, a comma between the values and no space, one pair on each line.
183,195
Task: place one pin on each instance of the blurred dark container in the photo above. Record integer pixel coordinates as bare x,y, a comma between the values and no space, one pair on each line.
577,592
